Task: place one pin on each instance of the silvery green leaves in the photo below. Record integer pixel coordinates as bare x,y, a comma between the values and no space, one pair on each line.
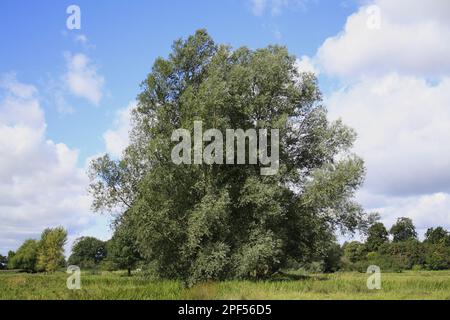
210,219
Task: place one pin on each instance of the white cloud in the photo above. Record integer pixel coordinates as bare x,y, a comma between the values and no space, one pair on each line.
117,138
82,78
306,64
402,119
40,183
427,210
403,126
412,38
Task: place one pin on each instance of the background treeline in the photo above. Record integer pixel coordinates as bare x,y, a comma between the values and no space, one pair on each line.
399,249
118,253
43,255
89,253
394,250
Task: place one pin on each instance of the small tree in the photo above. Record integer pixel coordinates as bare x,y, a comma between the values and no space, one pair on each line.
403,230
332,259
25,257
9,258
88,252
122,248
51,249
377,235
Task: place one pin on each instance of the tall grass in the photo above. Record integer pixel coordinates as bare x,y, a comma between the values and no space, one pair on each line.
406,285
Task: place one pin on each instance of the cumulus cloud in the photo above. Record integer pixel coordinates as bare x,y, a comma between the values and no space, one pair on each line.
40,183
306,64
117,138
403,124
82,78
412,38
427,210
396,94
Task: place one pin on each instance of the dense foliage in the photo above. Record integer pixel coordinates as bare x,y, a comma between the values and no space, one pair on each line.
199,222
87,252
122,248
26,256
220,221
51,249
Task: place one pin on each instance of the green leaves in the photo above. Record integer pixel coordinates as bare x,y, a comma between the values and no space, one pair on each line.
122,248
376,236
200,222
403,230
87,252
208,220
26,256
51,249
47,254
260,257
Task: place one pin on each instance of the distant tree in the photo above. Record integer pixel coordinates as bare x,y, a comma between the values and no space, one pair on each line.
408,253
354,251
88,252
403,230
437,255
122,248
437,235
376,236
332,259
3,262
25,257
51,249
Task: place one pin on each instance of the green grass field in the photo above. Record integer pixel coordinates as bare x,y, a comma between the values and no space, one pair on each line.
405,285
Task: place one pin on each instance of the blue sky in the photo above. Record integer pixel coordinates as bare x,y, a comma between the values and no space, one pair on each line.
125,37
65,94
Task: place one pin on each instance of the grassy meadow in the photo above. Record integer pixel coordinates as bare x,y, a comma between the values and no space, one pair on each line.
405,285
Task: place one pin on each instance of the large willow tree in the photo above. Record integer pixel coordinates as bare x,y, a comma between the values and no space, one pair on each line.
198,222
